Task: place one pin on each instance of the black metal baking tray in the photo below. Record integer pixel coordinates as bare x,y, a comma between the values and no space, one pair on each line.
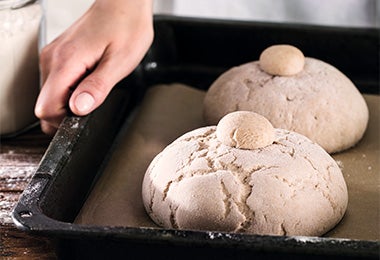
191,51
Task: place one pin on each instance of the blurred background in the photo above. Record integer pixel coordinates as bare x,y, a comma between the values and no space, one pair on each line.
349,13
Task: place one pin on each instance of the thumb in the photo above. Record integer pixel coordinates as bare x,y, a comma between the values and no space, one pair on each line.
89,94
94,88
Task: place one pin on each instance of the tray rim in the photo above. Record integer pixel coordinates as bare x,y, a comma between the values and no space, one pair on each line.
28,216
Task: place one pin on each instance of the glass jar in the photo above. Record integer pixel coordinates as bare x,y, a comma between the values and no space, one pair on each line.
20,22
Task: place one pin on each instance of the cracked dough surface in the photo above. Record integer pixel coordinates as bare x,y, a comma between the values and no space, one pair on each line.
292,187
319,102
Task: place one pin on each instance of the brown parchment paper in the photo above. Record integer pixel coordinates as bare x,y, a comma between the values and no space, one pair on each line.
167,112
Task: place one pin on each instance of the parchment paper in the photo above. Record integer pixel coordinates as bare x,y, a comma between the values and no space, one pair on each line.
167,112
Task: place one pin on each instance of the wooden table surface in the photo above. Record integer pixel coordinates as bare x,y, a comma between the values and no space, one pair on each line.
19,158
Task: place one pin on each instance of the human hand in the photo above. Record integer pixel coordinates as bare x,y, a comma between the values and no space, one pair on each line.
92,55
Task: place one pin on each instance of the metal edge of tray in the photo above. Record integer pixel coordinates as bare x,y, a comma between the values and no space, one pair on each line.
29,216
77,134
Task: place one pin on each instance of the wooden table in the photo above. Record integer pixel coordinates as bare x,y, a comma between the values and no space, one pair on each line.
19,158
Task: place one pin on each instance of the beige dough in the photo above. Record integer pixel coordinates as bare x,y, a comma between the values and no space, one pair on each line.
319,101
245,130
115,199
282,60
289,187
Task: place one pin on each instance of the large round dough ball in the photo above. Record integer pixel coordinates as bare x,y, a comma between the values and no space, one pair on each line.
290,187
319,102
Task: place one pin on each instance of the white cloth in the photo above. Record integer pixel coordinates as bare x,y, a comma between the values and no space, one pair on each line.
349,13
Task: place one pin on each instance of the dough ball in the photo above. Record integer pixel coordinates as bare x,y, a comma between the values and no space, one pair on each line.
282,60
290,187
245,130
319,101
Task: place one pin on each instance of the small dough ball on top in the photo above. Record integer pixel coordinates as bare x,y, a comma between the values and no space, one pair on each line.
282,60
293,92
287,185
245,130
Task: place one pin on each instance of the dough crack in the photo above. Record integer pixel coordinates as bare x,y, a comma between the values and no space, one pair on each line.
285,149
285,181
244,209
233,138
283,229
243,176
227,199
311,163
238,180
173,212
206,135
263,82
152,192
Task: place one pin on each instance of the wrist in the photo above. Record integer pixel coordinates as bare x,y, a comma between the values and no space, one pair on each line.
142,6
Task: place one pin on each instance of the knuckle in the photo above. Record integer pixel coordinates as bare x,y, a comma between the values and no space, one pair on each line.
57,53
42,113
45,54
97,85
49,114
48,128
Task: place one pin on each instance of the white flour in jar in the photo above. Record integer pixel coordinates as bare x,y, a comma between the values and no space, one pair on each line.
19,69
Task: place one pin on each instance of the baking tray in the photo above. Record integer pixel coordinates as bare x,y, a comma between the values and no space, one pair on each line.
192,51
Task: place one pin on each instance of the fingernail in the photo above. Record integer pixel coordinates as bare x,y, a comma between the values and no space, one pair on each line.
84,102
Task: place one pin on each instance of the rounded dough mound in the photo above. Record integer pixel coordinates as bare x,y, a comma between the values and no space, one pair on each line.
291,187
319,102
282,60
245,130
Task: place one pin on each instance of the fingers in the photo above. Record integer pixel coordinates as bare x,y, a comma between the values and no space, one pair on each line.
110,52
59,72
65,72
93,89
48,128
131,38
